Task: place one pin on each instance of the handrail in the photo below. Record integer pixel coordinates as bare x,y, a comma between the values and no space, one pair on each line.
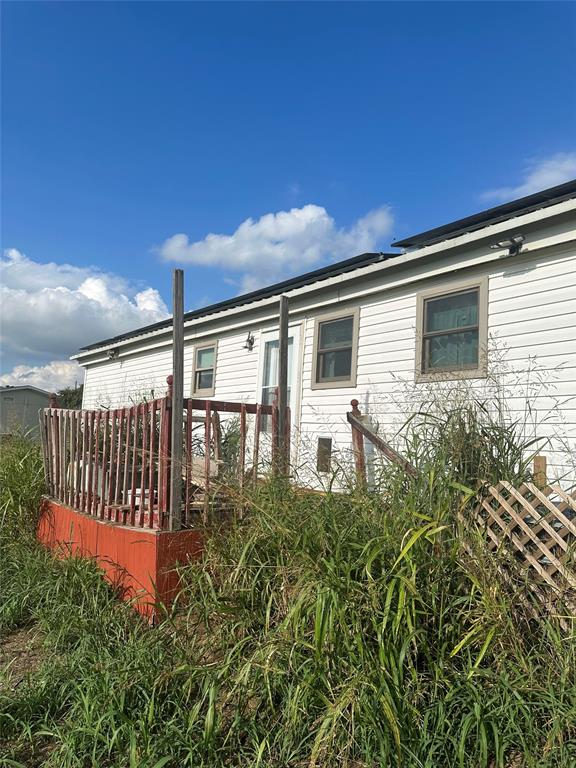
115,463
360,429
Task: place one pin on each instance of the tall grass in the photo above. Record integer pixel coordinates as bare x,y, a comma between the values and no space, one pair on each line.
323,630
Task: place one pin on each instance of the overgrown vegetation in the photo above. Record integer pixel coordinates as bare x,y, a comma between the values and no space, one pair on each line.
335,630
70,397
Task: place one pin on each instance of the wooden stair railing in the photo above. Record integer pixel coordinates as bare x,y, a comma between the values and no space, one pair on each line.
360,431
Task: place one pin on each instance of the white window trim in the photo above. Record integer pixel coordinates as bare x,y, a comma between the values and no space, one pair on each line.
210,391
481,371
354,313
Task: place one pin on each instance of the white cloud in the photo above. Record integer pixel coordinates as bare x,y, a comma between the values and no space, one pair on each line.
277,244
50,310
52,377
539,174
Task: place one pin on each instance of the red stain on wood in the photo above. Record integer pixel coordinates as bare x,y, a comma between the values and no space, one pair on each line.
140,562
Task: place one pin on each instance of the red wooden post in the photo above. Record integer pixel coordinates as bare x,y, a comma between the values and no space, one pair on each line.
153,464
168,445
53,400
90,461
257,427
119,463
56,443
135,411
358,448
112,464
163,462
79,458
188,460
84,476
62,437
67,456
126,479
95,498
46,439
105,471
207,430
143,466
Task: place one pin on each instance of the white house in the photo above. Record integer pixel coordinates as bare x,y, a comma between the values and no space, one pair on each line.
490,299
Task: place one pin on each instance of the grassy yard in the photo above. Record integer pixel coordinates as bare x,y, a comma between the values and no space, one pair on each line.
323,631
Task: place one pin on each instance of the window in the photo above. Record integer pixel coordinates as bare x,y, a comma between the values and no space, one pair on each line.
452,327
204,370
335,347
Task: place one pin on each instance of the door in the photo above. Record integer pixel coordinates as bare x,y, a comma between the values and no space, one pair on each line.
268,379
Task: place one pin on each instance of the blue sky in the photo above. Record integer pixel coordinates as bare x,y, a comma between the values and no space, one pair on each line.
126,124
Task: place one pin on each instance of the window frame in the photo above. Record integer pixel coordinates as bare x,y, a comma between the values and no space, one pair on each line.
208,392
479,371
354,313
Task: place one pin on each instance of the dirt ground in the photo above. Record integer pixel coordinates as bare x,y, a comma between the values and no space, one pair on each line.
20,654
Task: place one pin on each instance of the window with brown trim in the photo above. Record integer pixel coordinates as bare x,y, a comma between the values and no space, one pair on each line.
204,370
452,327
335,350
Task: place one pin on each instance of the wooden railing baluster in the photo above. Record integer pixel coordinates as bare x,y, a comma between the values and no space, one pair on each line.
153,461
115,464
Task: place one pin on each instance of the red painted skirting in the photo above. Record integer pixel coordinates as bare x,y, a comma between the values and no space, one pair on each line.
139,562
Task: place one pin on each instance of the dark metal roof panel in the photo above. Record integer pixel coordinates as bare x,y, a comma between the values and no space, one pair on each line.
316,275
491,216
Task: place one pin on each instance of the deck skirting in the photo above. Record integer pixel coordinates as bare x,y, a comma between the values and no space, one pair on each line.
139,562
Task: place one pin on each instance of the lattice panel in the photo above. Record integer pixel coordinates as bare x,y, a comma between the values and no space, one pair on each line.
537,527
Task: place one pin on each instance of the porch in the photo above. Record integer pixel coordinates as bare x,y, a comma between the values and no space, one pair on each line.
111,474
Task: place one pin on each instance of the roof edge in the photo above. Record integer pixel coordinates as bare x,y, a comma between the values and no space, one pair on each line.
339,267
476,221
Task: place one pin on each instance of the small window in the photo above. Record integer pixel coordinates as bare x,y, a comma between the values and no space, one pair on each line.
204,370
335,345
452,328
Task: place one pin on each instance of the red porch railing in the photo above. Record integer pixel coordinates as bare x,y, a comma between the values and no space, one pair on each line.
115,464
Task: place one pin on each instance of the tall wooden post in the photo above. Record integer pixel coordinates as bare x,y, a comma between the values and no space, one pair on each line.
283,437
177,400
358,448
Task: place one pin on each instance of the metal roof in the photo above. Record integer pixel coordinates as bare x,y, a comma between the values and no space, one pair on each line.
339,268
491,216
14,387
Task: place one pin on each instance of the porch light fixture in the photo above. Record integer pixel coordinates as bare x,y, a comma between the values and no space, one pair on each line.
249,343
514,244
113,353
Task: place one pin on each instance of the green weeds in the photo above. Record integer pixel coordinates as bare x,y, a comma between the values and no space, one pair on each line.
335,630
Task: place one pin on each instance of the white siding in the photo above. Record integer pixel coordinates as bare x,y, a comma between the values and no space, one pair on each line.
531,314
118,382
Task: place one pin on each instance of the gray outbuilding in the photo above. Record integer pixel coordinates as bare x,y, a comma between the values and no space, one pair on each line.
19,406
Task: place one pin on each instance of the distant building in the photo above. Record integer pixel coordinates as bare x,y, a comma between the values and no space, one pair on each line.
19,408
